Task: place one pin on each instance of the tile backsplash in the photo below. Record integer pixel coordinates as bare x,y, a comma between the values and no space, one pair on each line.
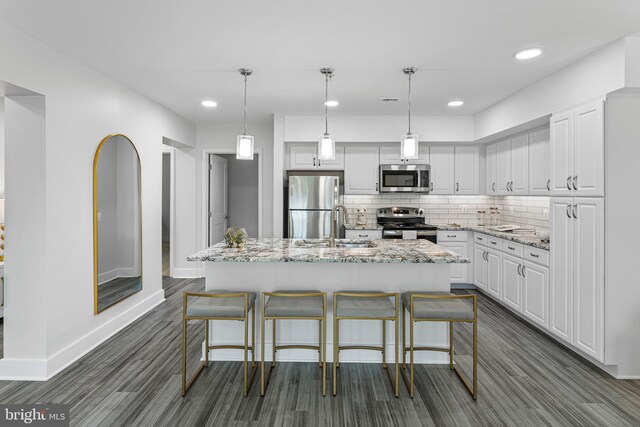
525,211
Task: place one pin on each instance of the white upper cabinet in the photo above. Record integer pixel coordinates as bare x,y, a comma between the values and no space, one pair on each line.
492,169
442,169
588,150
539,158
467,170
391,155
512,165
577,151
520,165
305,157
361,170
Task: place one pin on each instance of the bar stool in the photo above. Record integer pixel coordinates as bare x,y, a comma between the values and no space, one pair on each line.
219,305
440,307
294,305
367,305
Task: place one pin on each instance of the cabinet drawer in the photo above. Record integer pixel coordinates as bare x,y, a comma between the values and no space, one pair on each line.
481,239
539,256
363,234
452,236
512,248
494,242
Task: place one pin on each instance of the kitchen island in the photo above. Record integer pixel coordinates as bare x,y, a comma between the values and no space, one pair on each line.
266,265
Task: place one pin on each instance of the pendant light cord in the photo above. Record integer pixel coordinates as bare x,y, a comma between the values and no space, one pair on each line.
245,104
409,103
326,107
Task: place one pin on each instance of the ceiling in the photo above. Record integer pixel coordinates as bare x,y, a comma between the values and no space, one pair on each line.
181,52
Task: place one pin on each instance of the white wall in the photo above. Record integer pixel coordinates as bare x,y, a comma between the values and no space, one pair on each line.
1,150
82,107
591,77
222,140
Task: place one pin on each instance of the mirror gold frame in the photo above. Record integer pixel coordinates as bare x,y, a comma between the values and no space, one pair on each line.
96,310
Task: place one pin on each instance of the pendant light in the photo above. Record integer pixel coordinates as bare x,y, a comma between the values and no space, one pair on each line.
326,143
409,141
244,145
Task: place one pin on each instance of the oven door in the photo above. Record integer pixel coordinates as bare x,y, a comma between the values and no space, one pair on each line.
430,235
404,179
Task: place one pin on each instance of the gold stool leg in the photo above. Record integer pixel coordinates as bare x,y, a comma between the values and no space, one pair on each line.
273,359
206,343
451,345
475,352
384,344
324,356
404,340
262,356
411,353
396,349
319,343
335,353
246,352
253,336
184,356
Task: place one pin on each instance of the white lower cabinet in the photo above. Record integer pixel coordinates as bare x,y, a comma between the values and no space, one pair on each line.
535,293
479,266
494,273
512,281
363,234
458,271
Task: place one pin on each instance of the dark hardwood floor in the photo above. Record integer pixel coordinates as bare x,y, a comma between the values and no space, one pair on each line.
525,379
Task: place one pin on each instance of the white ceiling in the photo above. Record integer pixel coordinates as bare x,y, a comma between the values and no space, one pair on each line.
181,52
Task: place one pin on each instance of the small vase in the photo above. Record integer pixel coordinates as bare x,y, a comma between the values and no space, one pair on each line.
236,236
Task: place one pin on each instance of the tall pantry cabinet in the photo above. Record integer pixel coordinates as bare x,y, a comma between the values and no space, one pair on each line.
576,297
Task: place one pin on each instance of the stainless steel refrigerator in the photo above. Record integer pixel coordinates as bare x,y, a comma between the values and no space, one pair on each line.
312,195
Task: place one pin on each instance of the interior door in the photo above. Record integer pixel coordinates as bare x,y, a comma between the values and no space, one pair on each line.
217,199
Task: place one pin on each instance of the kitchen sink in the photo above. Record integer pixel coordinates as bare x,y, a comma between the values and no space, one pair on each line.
340,243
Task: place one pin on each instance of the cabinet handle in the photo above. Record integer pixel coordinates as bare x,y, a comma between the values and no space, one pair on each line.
524,270
452,235
507,185
569,183
493,187
431,187
457,186
485,255
319,163
376,186
494,243
314,161
363,235
549,184
534,255
512,248
479,238
511,185
574,211
519,270
575,182
569,211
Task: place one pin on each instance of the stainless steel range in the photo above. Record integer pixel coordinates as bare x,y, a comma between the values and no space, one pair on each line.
405,222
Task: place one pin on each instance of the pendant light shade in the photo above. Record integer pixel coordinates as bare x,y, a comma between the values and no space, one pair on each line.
409,141
326,143
244,142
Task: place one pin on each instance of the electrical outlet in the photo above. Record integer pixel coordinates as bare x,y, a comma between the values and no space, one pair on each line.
545,213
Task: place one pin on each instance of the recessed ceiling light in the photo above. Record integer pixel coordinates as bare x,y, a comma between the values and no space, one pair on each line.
455,103
529,53
209,104
332,103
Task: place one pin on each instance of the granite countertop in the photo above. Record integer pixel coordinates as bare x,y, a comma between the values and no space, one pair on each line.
525,239
286,250
362,227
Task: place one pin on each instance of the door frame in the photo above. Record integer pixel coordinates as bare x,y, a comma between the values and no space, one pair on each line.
172,205
205,189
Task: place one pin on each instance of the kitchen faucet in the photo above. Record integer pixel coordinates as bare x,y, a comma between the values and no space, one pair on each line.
332,236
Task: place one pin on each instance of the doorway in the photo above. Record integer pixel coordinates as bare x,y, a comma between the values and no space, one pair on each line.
168,211
233,196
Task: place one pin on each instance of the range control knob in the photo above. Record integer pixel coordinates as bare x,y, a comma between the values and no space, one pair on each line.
421,212
417,211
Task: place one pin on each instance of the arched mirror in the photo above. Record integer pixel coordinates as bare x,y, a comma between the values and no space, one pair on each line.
117,222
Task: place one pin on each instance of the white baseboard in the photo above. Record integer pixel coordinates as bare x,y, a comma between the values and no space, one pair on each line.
43,370
114,274
187,273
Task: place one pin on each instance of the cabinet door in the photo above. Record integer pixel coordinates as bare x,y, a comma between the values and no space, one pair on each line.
561,153
479,266
442,170
539,158
535,293
458,272
492,165
588,279
519,165
335,164
561,267
494,273
467,170
503,173
423,156
512,281
588,150
303,157
361,170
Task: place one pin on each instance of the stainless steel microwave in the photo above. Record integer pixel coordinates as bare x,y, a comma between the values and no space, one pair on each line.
405,178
